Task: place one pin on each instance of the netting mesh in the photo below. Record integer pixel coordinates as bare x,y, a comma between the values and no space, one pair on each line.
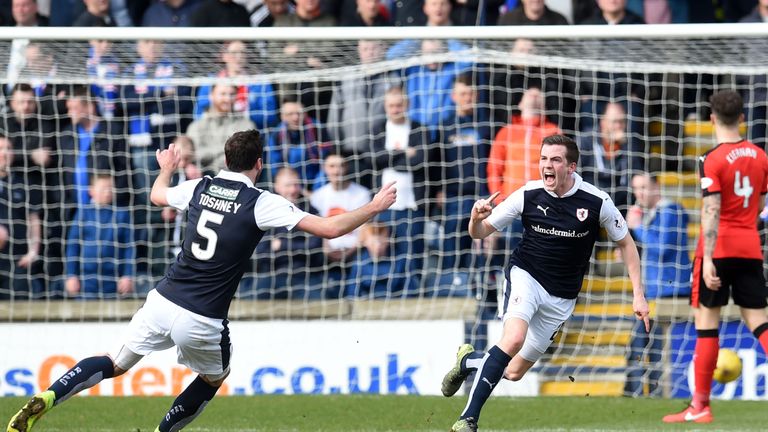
450,120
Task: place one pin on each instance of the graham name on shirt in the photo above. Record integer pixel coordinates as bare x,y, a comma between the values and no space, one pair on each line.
219,204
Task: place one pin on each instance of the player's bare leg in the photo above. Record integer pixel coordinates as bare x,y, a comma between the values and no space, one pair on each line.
517,368
707,321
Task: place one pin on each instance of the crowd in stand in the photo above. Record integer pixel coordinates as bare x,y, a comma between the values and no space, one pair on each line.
77,162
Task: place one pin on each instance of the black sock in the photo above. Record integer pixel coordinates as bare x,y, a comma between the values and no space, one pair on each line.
83,375
188,405
488,375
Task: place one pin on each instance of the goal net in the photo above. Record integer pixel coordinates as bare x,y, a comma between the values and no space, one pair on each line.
450,114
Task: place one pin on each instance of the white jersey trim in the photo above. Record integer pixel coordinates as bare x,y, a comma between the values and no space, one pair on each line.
179,196
274,211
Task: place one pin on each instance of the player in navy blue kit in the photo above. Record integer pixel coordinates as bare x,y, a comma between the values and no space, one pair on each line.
227,216
562,216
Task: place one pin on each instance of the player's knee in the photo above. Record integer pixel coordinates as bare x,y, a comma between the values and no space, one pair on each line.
514,374
511,344
215,380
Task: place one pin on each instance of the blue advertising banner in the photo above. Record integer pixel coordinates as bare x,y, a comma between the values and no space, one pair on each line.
733,335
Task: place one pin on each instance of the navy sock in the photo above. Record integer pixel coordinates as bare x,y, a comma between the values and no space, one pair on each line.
188,405
472,361
83,375
488,375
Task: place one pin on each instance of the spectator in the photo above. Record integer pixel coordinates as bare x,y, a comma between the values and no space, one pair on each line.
20,231
509,83
309,13
401,149
438,13
613,12
256,100
156,113
429,86
96,14
219,13
104,68
368,14
377,272
532,12
607,161
468,13
34,158
315,95
87,144
215,126
264,14
661,230
514,158
358,103
31,135
169,13
339,195
100,247
25,14
758,14
660,11
465,137
39,70
289,263
299,142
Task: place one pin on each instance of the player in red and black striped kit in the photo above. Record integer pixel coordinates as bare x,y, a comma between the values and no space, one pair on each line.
729,258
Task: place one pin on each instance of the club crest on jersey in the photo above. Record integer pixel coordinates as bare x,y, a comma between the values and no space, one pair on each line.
582,214
222,192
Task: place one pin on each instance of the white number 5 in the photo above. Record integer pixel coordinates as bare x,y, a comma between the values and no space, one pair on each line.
208,234
742,188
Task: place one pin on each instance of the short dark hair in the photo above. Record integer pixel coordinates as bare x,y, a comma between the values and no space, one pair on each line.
243,149
727,106
22,87
571,148
466,78
79,92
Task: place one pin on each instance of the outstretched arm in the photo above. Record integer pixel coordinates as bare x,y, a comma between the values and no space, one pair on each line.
168,160
337,226
632,261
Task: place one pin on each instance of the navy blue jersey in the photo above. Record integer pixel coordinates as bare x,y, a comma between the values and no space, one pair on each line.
560,232
226,218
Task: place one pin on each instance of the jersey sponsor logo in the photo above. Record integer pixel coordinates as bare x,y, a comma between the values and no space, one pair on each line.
560,233
516,300
222,192
582,214
706,182
544,210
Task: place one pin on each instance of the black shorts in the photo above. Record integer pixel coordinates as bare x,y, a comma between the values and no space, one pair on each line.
741,276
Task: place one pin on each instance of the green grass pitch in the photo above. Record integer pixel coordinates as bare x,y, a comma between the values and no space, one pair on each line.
367,413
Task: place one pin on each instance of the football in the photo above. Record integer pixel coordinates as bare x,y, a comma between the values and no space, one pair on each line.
728,366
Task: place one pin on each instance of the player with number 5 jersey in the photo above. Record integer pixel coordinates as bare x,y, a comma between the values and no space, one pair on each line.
227,216
729,258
